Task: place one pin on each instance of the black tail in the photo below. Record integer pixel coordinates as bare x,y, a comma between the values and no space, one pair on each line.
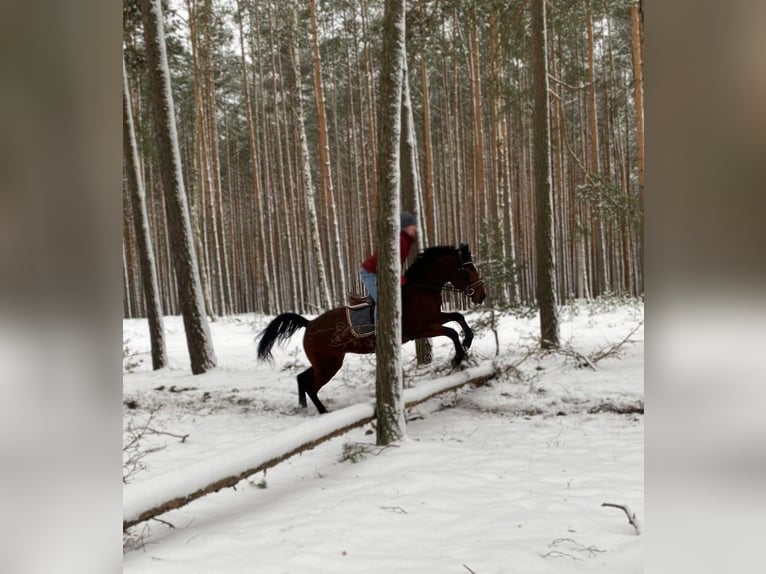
280,329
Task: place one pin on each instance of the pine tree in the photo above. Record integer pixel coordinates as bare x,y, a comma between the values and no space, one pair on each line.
390,405
143,232
198,339
546,277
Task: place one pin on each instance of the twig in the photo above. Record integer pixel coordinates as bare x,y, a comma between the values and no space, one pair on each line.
165,522
615,348
631,515
467,568
557,553
591,360
397,509
575,546
582,360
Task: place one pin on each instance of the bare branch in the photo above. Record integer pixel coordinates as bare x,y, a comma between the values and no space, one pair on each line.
614,350
396,509
590,361
631,515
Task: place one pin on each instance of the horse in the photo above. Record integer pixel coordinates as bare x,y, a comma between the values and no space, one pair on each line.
330,336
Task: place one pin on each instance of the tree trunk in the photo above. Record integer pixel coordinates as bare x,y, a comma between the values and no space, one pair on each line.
411,189
546,291
198,338
142,230
429,231
390,407
305,163
200,181
638,96
325,170
262,278
479,204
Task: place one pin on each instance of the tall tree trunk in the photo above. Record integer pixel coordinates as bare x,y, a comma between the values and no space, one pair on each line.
200,181
390,404
215,200
143,232
594,165
479,203
546,278
410,188
262,278
638,98
198,339
305,162
371,105
325,170
496,227
428,161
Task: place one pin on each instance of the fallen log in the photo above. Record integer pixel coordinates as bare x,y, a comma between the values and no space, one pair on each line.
144,500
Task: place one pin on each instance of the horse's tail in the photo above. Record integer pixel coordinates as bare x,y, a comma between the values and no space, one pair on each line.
280,329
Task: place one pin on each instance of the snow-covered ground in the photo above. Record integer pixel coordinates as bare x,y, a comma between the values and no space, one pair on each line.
508,477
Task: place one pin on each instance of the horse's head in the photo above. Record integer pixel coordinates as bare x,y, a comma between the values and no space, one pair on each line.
441,264
466,276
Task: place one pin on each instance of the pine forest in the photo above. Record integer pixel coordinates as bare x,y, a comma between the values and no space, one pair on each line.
276,104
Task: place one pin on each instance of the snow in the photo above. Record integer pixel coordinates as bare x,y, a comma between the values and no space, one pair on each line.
506,477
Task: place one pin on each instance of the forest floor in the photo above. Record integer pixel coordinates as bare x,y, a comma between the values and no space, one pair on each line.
507,477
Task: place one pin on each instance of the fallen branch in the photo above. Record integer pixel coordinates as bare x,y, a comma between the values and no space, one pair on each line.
614,350
582,360
134,451
631,515
147,499
574,546
590,361
395,509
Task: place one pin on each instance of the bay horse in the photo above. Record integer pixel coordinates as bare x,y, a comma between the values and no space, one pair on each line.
330,336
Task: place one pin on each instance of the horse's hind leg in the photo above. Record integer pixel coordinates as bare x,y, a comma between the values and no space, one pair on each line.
302,379
313,379
306,386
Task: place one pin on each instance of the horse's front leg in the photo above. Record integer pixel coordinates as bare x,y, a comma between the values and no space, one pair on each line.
458,318
442,331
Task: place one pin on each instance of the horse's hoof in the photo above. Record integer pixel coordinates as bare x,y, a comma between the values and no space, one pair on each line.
456,362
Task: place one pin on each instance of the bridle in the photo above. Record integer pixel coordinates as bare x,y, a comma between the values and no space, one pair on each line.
470,290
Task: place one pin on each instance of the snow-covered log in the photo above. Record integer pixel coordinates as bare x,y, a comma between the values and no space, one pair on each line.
146,499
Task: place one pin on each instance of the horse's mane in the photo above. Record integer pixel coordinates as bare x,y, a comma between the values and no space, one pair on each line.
425,258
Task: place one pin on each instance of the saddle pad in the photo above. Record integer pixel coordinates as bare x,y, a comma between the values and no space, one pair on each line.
360,321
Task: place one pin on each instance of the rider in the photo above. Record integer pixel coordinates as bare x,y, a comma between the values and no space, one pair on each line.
369,271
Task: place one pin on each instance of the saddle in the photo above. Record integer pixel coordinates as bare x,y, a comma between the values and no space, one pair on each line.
360,312
356,301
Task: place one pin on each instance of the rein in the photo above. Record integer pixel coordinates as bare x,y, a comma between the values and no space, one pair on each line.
469,289
432,288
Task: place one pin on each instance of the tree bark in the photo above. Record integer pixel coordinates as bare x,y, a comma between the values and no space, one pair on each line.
262,278
339,281
638,97
390,407
411,190
196,327
546,291
305,162
429,231
142,231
